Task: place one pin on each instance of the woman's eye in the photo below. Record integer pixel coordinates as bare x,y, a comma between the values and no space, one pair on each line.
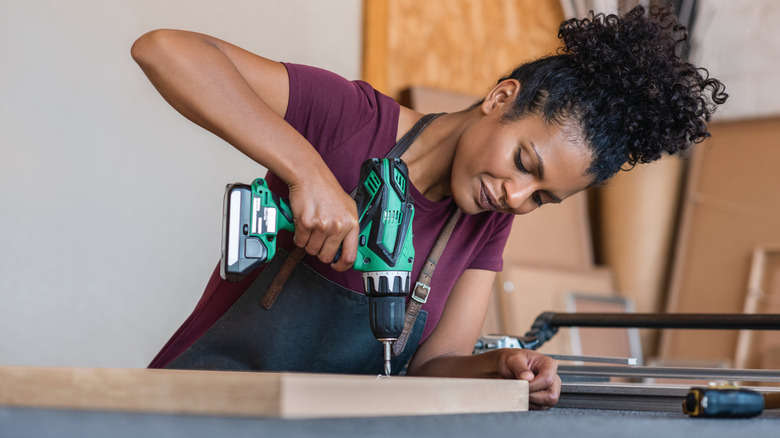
537,198
519,161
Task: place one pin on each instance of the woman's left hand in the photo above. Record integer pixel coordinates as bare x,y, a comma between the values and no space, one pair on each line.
540,371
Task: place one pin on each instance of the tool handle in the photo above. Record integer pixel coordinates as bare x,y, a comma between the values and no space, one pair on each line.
723,403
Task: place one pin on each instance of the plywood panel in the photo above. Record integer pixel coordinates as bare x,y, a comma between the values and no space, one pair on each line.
282,395
457,45
732,205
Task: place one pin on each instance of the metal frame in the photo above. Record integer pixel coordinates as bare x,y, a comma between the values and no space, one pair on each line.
634,341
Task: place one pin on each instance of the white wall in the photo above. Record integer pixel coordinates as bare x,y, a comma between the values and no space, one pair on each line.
110,201
739,43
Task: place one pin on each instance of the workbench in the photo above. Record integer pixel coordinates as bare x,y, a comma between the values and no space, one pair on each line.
160,403
557,422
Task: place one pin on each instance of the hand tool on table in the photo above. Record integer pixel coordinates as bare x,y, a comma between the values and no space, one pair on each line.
253,216
728,402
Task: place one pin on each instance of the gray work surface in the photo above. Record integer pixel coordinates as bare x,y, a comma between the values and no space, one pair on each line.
558,422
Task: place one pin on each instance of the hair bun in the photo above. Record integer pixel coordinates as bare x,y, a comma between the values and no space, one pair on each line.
624,82
619,52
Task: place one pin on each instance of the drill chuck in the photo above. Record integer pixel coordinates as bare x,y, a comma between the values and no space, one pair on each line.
387,293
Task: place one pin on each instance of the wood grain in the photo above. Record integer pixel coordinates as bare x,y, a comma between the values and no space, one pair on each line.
254,394
456,45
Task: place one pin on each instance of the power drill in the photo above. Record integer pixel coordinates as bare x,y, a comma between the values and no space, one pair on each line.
253,215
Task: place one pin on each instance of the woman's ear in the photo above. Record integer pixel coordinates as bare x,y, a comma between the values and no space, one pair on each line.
503,93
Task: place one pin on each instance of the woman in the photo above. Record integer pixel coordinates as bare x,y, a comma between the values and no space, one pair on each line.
615,94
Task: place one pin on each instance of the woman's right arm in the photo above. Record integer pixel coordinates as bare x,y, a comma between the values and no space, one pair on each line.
242,98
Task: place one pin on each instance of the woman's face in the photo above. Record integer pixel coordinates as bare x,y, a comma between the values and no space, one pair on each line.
514,167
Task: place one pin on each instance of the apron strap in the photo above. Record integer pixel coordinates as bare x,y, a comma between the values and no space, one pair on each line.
423,285
281,277
411,135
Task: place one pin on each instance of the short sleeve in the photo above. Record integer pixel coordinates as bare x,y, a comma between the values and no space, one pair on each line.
491,256
328,110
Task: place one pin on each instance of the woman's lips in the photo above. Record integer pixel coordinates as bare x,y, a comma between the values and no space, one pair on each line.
485,200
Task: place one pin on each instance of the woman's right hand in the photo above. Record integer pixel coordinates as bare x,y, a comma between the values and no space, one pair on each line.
326,220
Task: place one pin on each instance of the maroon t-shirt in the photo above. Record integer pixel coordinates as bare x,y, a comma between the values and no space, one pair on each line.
348,122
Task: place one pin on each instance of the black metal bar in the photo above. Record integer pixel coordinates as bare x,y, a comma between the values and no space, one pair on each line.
725,321
546,325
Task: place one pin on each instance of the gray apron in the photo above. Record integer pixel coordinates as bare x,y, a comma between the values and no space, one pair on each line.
314,325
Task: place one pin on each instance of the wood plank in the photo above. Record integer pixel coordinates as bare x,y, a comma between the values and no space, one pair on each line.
255,394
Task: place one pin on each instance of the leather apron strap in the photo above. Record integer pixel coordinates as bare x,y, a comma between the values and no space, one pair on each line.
423,285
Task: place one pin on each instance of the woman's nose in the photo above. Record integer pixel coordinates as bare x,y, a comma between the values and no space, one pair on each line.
519,196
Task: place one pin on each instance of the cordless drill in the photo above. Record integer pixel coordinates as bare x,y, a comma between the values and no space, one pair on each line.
253,215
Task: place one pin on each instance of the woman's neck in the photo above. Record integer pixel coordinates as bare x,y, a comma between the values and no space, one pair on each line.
430,156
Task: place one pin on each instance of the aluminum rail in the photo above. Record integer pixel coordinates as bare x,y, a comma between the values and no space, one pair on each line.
729,374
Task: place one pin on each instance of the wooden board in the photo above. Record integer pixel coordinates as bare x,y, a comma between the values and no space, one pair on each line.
280,395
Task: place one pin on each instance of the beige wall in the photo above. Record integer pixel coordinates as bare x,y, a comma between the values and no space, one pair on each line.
110,202
739,43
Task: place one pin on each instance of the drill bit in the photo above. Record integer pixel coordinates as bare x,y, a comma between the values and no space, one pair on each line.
388,351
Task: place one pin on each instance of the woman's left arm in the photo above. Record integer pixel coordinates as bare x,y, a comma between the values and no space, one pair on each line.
448,350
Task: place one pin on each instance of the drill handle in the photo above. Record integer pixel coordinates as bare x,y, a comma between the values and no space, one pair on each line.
270,214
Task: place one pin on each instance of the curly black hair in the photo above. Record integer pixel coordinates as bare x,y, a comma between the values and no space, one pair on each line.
624,84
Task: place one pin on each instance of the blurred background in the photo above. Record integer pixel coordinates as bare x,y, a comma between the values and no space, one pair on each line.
111,202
